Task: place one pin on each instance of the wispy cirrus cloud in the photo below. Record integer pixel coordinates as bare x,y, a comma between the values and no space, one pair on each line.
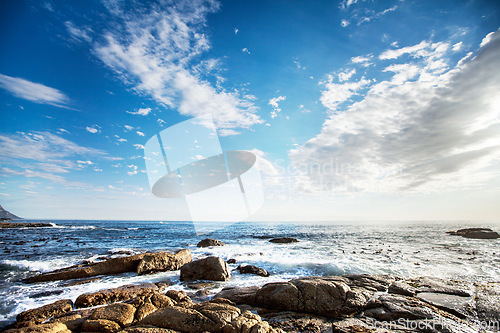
32,91
156,50
427,126
43,155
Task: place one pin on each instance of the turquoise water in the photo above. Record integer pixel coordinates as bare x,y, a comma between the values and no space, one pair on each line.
406,249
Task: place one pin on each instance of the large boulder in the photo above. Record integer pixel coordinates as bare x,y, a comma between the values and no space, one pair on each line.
120,313
239,295
163,261
210,268
41,328
41,314
100,325
284,240
107,267
251,269
210,242
212,316
119,294
478,233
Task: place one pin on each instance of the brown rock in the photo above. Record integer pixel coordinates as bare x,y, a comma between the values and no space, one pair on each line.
42,328
108,267
41,314
210,242
283,240
478,233
239,295
107,296
72,321
210,268
120,313
147,329
231,261
163,261
179,319
100,325
251,269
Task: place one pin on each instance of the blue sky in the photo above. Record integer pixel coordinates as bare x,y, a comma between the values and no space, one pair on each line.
356,109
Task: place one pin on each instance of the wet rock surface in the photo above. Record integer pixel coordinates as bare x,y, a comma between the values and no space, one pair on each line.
210,242
349,303
478,233
143,263
251,269
284,240
210,268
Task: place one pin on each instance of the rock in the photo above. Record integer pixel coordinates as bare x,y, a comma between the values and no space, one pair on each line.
163,261
107,296
41,314
239,295
147,329
179,319
210,242
148,304
201,285
13,225
402,288
436,285
210,268
283,240
100,325
312,295
178,295
389,307
108,267
488,302
250,269
478,233
211,316
42,328
120,313
5,215
72,321
231,261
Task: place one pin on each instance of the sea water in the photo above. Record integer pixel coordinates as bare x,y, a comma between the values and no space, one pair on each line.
407,249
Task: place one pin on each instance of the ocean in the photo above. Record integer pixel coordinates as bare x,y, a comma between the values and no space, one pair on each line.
407,249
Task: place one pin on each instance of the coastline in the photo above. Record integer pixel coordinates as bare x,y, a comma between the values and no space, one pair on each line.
201,289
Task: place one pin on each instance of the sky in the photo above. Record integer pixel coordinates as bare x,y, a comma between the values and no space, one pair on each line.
355,109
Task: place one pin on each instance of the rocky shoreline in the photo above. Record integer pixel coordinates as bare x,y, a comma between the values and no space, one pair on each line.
349,303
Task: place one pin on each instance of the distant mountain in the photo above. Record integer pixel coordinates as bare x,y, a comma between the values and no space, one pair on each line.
4,214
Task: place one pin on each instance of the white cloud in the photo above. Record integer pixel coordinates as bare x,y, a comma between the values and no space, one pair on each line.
337,93
227,132
42,155
245,50
141,112
138,146
84,162
236,31
432,129
365,61
78,34
344,23
346,75
32,91
140,133
156,50
458,46
487,39
128,127
274,103
91,129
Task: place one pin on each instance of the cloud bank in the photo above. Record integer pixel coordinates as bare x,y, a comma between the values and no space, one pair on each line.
428,125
